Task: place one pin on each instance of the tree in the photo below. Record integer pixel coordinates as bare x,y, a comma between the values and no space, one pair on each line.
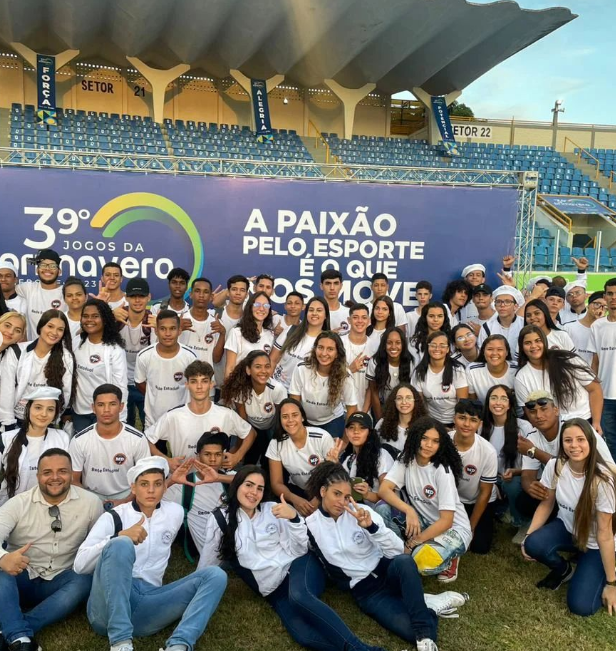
456,109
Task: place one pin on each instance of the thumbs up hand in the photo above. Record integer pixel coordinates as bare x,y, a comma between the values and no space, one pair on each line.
217,325
15,562
283,510
136,533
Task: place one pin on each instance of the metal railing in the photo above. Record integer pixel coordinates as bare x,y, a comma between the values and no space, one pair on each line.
578,151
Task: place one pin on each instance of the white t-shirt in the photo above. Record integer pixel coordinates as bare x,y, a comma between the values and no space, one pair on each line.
454,319
166,384
567,315
74,327
529,379
291,358
440,402
431,489
313,389
480,380
392,382
119,303
37,379
493,327
17,304
280,320
29,457
202,341
411,322
603,342
229,324
182,428
206,498
580,336
469,313
497,441
339,320
479,464
39,300
561,340
241,347
156,308
299,462
353,351
374,339
104,463
399,442
568,491
386,461
98,364
261,409
135,340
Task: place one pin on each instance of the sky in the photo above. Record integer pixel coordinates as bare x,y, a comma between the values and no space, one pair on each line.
576,63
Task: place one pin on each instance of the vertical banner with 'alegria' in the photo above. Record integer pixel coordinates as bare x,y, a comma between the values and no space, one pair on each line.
46,88
260,106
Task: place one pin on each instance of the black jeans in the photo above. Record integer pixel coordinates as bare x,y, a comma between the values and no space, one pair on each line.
484,531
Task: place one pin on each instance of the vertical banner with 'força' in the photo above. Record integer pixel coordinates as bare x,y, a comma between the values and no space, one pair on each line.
441,115
46,88
260,106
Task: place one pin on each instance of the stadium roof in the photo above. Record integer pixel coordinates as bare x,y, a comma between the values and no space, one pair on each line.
438,45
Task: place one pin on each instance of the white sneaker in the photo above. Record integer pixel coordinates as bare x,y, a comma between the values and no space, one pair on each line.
445,604
123,647
521,534
426,645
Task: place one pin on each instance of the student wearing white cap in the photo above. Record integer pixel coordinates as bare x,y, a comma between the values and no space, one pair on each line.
8,283
40,532
104,453
21,448
507,300
475,275
575,295
128,598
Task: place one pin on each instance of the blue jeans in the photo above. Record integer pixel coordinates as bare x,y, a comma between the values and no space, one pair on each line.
334,427
586,586
608,424
50,601
512,489
392,594
122,607
309,621
81,421
134,404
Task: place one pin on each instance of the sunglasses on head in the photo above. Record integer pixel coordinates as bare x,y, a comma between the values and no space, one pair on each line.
56,525
542,402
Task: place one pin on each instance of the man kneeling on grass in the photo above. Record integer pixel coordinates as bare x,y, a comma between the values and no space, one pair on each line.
128,598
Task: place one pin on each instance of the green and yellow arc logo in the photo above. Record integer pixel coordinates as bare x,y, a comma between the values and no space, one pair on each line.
146,206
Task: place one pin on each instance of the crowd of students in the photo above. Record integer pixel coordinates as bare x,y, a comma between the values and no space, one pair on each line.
352,443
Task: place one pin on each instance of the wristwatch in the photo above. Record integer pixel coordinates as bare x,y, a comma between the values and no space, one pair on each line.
611,583
531,452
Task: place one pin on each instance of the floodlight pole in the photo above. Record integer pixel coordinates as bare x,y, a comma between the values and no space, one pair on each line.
159,80
434,135
244,83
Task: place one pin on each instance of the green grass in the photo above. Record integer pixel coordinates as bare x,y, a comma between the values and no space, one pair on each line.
506,613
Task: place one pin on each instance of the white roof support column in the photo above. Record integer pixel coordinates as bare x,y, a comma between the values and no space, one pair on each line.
350,98
159,80
434,135
30,55
244,83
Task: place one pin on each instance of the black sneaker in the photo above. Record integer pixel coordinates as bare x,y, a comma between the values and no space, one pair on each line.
24,646
555,579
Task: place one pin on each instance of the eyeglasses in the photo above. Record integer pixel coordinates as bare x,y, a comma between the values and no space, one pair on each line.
264,305
542,402
52,266
470,335
578,293
499,399
438,346
407,399
503,303
598,306
56,525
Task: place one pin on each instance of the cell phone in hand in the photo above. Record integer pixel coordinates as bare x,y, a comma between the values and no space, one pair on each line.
358,497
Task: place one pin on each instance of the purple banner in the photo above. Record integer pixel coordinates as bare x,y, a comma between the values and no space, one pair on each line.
217,227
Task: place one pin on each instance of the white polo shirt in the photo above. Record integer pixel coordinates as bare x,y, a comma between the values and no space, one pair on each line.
291,358
602,342
580,336
261,409
480,464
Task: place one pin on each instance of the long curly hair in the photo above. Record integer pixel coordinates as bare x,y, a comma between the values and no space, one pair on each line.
229,546
391,319
564,368
338,372
11,458
455,286
450,364
510,447
381,361
111,334
54,369
367,460
389,426
297,334
248,324
324,475
238,386
446,455
420,339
